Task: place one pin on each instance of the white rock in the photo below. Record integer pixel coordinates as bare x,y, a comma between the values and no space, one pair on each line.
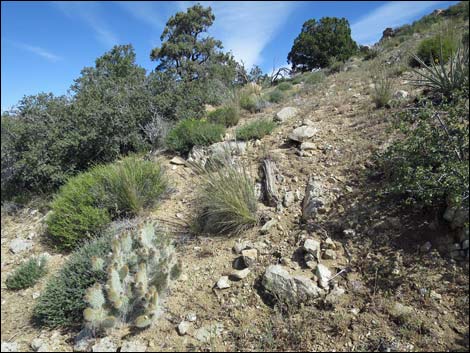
312,246
36,295
302,133
308,146
323,273
9,347
178,161
240,274
329,254
289,198
349,232
134,346
191,317
249,256
285,114
240,246
401,94
223,283
104,345
183,328
38,345
267,226
18,245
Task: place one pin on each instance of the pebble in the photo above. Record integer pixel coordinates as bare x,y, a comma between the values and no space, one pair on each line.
329,255
240,274
223,282
183,328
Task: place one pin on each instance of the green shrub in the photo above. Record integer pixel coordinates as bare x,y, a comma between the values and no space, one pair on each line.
335,66
284,86
87,203
227,116
383,87
436,49
191,132
77,211
275,96
62,302
429,165
226,201
255,129
251,102
27,274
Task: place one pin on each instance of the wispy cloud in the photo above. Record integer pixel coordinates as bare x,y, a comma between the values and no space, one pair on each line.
144,11
369,29
37,50
89,12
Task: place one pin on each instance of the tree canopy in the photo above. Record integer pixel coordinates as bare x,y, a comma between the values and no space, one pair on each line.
320,42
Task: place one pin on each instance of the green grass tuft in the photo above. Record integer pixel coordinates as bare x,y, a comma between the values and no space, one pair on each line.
226,201
255,129
227,116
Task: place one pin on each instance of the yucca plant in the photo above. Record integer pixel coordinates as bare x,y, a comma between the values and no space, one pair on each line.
226,201
444,78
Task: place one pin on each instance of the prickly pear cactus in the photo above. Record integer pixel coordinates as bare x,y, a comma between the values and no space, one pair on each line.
139,268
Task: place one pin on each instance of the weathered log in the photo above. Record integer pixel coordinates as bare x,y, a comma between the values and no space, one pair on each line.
270,188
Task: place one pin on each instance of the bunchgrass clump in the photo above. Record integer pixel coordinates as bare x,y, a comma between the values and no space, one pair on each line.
191,132
383,88
251,102
88,202
255,129
276,96
227,116
27,274
226,202
62,302
284,86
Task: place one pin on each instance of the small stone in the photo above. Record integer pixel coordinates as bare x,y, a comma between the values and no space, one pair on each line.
329,244
134,346
267,226
240,246
183,328
249,256
18,245
36,295
38,345
104,345
329,254
401,311
240,274
178,161
312,247
288,199
323,274
434,295
426,247
223,283
191,317
401,94
9,347
308,146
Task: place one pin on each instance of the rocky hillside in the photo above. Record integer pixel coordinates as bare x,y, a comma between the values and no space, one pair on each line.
331,266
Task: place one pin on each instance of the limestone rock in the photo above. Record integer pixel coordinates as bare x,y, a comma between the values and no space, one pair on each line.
18,245
285,114
302,133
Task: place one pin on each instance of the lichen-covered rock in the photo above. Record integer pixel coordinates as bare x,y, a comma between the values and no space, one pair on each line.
302,133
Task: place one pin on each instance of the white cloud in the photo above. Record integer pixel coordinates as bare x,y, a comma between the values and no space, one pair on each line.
38,51
393,14
89,13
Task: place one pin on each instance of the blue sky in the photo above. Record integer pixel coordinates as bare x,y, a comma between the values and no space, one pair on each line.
45,44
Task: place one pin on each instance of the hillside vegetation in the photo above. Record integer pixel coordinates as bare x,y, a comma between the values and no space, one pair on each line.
208,207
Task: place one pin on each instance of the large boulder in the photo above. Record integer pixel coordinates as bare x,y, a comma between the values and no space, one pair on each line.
290,290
